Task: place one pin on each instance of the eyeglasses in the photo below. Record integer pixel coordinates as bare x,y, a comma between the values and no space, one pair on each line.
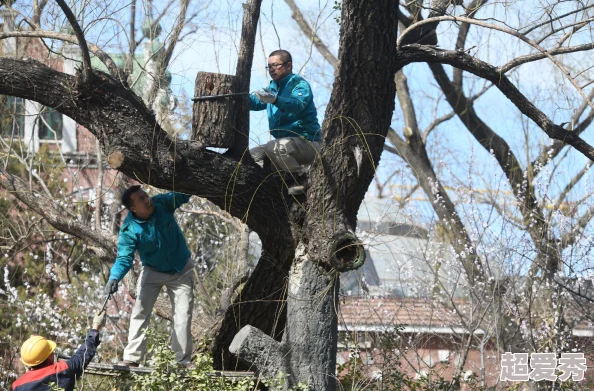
275,66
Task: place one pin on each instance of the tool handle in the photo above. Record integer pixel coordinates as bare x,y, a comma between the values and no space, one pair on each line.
211,97
105,303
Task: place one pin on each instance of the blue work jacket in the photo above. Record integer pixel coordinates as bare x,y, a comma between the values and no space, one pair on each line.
62,373
159,241
294,113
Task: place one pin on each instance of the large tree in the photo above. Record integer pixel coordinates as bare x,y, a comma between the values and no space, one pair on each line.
290,299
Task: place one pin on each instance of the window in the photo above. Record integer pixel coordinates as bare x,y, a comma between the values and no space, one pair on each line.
50,124
12,116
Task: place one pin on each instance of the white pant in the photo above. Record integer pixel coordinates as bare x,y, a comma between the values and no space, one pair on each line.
180,288
287,154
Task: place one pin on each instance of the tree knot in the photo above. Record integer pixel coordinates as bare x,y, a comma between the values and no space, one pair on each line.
347,252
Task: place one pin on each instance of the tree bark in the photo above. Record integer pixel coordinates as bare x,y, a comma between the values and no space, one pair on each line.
251,14
357,120
307,353
213,120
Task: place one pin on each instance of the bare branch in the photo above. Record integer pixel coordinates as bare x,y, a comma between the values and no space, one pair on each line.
552,151
528,31
463,34
104,57
131,39
436,122
55,214
411,129
306,29
572,236
166,57
575,27
38,6
421,53
539,56
87,71
156,21
514,33
572,184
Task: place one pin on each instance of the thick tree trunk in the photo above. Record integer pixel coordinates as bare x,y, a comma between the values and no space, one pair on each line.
307,353
213,120
357,120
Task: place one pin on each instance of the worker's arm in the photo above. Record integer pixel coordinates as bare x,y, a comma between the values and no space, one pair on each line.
174,200
298,100
255,104
126,246
85,353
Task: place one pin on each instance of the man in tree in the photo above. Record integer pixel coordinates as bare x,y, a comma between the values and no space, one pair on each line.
151,229
292,119
37,355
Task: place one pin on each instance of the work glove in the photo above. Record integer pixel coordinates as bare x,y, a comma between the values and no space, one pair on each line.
111,287
99,320
265,96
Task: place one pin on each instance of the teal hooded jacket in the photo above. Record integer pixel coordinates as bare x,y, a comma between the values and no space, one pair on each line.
159,241
294,113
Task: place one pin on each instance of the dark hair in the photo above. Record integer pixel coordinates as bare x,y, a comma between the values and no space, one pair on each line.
284,55
126,197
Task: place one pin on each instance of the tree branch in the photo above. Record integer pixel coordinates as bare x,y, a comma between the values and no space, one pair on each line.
552,151
243,71
572,236
104,57
420,53
472,8
87,71
55,214
572,184
166,57
308,32
539,56
502,29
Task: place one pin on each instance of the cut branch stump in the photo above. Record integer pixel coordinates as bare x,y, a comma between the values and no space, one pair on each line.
213,119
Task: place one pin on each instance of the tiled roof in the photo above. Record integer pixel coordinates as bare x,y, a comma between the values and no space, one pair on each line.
389,312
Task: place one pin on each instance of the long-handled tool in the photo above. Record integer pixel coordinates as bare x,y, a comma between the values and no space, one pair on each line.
105,303
211,97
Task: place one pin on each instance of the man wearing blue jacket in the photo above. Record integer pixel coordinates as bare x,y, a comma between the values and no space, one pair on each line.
37,355
151,229
292,119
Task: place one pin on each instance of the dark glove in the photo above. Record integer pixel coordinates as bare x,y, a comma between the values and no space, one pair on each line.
111,287
99,319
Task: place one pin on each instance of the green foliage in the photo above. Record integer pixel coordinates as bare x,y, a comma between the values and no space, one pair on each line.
167,375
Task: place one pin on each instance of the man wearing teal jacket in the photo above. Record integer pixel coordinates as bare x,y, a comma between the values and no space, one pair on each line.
151,229
292,119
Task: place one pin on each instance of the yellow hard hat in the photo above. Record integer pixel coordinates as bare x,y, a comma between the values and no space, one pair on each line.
35,350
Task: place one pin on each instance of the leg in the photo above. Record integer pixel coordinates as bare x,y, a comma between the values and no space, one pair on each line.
147,293
304,151
280,152
181,293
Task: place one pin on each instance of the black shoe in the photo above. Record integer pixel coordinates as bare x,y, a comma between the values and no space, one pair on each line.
299,185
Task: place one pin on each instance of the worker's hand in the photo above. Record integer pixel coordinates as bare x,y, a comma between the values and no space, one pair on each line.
265,96
111,287
98,320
